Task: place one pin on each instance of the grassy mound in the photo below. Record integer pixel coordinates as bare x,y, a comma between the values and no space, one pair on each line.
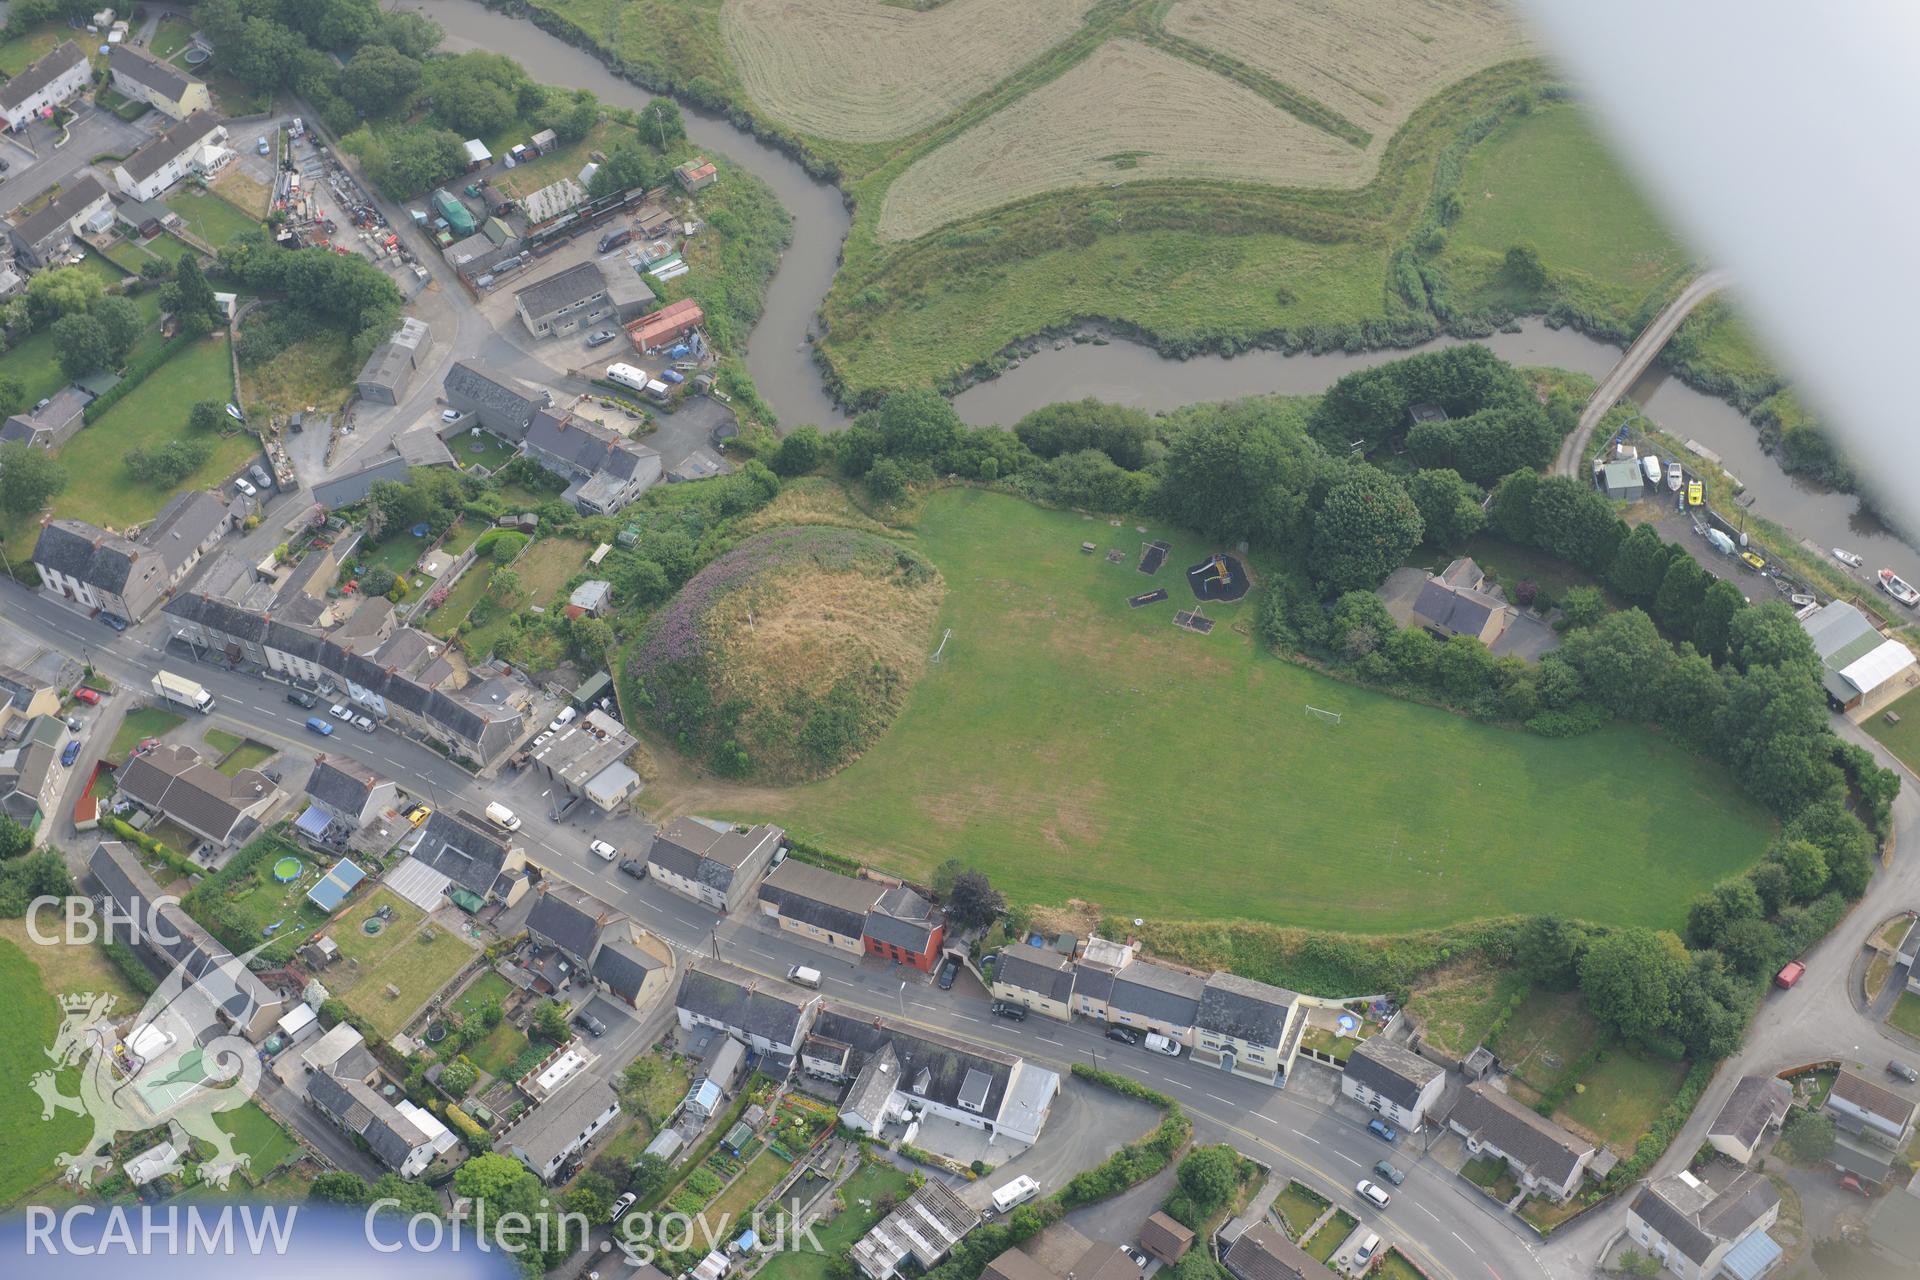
783,659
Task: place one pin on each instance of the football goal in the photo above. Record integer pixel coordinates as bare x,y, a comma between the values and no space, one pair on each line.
1321,713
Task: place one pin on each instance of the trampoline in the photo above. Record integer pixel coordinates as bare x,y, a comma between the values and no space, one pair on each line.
197,57
1220,577
287,870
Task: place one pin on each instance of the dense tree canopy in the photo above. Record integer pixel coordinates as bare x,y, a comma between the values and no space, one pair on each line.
29,478
1363,530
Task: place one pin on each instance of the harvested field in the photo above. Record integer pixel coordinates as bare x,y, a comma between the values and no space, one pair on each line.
1371,61
1128,112
863,71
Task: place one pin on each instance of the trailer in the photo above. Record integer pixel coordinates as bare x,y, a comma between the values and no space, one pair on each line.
627,376
182,692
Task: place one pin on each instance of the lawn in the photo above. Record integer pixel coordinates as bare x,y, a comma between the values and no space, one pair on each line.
528,177
1893,932
500,1047
754,1183
145,722
1298,1206
401,955
1902,739
662,1094
1457,1006
488,451
1906,1014
258,1136
27,1159
848,1225
463,535
1393,1265
221,741
17,53
210,217
1619,1097
1546,1038
170,36
466,593
262,902
398,554
248,755
1108,728
1331,1235
1490,1174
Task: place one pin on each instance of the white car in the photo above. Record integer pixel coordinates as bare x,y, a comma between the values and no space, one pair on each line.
241,484
449,415
605,850
339,711
541,741
562,720
620,1206
363,723
1374,1195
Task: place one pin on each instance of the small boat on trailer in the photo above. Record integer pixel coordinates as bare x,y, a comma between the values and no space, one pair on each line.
1675,474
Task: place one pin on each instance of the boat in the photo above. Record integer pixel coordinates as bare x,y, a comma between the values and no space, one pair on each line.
1651,466
1754,559
1899,588
1848,558
1675,474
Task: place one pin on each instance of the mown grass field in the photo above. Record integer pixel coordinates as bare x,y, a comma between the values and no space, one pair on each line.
210,217
400,955
27,1158
1074,748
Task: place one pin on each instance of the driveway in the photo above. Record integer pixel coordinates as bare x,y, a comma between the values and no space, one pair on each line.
37,165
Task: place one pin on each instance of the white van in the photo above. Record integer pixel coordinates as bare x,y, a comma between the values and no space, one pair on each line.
1019,1191
804,976
501,816
1162,1044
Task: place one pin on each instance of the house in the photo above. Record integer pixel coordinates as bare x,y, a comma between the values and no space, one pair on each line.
24,696
350,793
1456,603
27,772
1016,1265
53,81
1757,1104
714,866
1262,1253
564,302
925,1227
896,1072
1863,1109
1393,1081
563,1125
588,758
818,905
500,404
625,970
129,576
605,470
192,145
1143,994
573,922
1858,662
743,1004
1543,1156
696,174
173,782
666,326
1698,1233
1621,481
138,75
45,237
396,1139
591,599
1247,1027
355,486
1035,978
1164,1238
389,371
163,934
905,928
1909,955
471,855
50,425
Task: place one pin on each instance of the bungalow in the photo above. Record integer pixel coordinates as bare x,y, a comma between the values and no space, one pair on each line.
1262,1253
138,75
1866,1110
173,782
1544,1157
925,1228
45,237
1246,1027
1455,603
549,1136
905,928
1393,1081
714,866
819,906
743,1004
192,145
53,81
1757,1104
1698,1233
1035,978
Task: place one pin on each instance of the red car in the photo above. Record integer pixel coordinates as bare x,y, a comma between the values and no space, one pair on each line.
89,696
1791,974
1850,1183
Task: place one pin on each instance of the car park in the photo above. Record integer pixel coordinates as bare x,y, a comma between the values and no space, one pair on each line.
1382,1130
594,1026
114,620
1123,1035
363,723
1008,1009
633,867
949,971
71,754
319,726
1372,1193
1390,1173
606,851
339,711
1905,1072
301,698
89,696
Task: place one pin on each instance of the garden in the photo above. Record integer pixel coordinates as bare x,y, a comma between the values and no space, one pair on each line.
1491,1175
1587,1078
209,217
1299,1206
250,899
136,727
1322,1244
386,975
861,1199
233,753
498,1048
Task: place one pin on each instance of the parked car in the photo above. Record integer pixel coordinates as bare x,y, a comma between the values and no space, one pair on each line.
71,754
114,620
339,711
1390,1173
1123,1034
449,415
1008,1009
240,483
319,726
1372,1193
1905,1072
1163,1044
620,1206
1791,973
606,851
89,696
949,971
600,337
261,146
260,476
301,698
1139,1256
418,815
562,720
1850,1183
541,739
363,723
1364,1254
594,1026
633,867
1382,1130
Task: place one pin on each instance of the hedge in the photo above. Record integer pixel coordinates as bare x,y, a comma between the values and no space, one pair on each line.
147,844
1665,1128
138,976
468,1127
813,855
1125,1086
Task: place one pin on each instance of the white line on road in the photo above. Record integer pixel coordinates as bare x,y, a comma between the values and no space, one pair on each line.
1045,1040
1309,1137
964,1018
1430,1213
1222,1101
1349,1159
1181,1084
842,981
1462,1239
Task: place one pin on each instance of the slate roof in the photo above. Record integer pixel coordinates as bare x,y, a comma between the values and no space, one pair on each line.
904,919
562,289
462,848
1884,1104
173,780
932,1066
1461,611
1245,1010
1045,973
143,68
1526,1137
570,919
815,896
49,68
188,520
740,1000
623,966
1262,1253
699,853
585,446
1696,1220
1391,1070
344,491
509,397
555,1123
1756,1102
360,1109
84,551
169,145
341,784
1150,990
60,211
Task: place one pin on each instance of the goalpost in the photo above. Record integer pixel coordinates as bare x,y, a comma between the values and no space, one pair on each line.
1321,713
943,645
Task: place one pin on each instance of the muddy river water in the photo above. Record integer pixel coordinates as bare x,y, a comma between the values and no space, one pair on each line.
1123,372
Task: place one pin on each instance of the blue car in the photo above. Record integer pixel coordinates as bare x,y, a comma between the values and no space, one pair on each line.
1381,1129
71,754
320,726
114,620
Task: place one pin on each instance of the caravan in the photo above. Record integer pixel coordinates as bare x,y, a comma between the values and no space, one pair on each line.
1017,1192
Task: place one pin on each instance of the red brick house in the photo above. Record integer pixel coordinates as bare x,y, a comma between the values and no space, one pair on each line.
905,927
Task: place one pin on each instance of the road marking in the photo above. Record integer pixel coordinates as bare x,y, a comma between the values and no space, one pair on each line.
1430,1213
1349,1159
965,1018
842,981
1309,1137
1463,1240
1222,1101
1182,1084
1045,1040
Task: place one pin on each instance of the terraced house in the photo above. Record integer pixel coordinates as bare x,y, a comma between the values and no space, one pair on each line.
818,905
46,236
129,576
137,75
754,1010
715,866
192,145
1546,1158
53,81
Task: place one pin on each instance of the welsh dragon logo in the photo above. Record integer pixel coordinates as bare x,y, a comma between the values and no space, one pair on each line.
175,1064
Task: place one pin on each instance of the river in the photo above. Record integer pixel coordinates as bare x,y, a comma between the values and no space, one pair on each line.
1125,372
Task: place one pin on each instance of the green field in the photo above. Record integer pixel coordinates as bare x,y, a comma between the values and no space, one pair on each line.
27,1158
1621,1095
1074,748
258,1136
400,955
208,216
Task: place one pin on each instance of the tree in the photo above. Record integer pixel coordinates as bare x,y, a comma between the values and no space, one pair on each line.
1806,869
1209,1177
1511,513
120,320
1573,522
13,395
1713,620
650,1172
590,638
973,902
82,345
1547,951
886,481
190,298
14,839
1464,668
29,478
915,424
376,581
1241,471
1523,270
591,1196
408,160
413,34
457,1077
1808,1136
1631,978
1725,904
1689,699
1639,564
475,93
662,125
207,415
640,583
339,1188
378,79
1768,635
1363,531
63,291
550,1022
490,1177
1583,606
1449,506
414,1198
801,452
168,464
1621,659
1681,592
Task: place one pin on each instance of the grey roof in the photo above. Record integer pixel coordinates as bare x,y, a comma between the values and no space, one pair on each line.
623,966
462,848
556,1123
180,138
142,67
1391,1070
815,896
713,858
1459,611
360,1109
930,1065
562,289
929,1223
344,491
904,919
1836,626
872,1086
1696,1219
341,784
182,525
173,780
62,407
570,919
1881,1103
1526,1137
1045,973
585,446
1756,1103
740,1000
1244,1009
63,209
1015,1265
1153,991
42,73
1262,1253
509,395
87,552
387,366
